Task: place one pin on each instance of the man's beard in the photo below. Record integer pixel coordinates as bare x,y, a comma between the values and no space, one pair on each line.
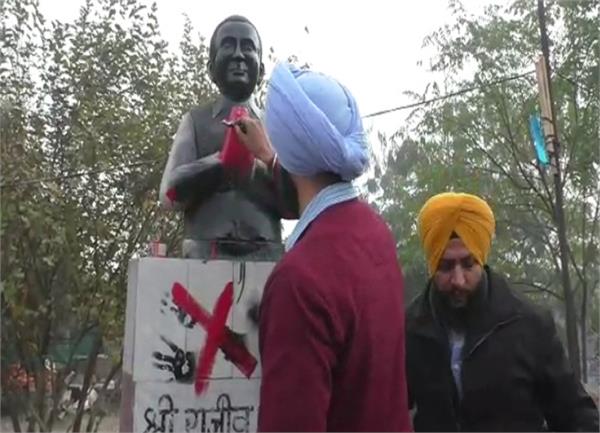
457,299
456,312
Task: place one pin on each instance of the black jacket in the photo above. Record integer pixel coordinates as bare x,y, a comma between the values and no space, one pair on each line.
515,376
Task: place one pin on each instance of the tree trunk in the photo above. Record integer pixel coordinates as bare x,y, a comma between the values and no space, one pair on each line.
57,390
7,400
571,325
59,384
89,372
559,214
14,419
111,374
584,369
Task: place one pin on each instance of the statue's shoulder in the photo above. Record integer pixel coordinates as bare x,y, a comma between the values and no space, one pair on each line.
203,109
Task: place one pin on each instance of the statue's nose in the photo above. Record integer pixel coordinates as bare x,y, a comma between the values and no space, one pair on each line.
238,54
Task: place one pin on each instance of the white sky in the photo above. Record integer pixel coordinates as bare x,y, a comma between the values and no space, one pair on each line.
372,47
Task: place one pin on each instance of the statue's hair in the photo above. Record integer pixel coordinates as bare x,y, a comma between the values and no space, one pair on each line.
233,18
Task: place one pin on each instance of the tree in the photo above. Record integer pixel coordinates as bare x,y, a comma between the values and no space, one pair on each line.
478,141
89,109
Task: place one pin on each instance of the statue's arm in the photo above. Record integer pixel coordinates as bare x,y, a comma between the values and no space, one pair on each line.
188,179
264,172
280,196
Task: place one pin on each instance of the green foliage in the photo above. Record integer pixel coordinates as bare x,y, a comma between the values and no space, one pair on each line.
89,109
479,142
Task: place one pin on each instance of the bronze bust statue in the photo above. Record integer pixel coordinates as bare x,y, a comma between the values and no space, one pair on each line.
225,215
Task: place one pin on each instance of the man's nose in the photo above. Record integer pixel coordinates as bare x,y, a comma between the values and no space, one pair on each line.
458,276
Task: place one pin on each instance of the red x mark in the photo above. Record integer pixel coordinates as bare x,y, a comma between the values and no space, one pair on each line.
217,334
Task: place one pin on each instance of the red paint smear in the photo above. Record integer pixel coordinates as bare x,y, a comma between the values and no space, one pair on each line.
234,155
215,334
234,349
186,302
171,194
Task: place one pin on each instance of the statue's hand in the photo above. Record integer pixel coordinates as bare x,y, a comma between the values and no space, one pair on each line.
254,137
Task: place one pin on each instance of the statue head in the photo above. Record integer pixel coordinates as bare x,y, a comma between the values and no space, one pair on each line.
235,58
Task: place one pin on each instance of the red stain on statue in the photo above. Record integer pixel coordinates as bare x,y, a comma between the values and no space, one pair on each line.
171,194
234,156
218,335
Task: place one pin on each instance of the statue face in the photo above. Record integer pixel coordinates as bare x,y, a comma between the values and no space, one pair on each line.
237,67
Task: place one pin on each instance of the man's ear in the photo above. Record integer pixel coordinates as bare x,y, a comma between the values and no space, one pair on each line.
211,70
261,74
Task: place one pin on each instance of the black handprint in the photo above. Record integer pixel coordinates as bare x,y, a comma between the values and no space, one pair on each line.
181,364
184,318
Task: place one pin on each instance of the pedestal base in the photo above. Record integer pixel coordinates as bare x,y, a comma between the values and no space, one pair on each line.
158,392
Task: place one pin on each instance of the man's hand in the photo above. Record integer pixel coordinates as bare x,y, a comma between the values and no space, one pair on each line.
252,133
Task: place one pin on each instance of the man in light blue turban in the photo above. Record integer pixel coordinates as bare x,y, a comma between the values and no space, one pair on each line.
332,316
316,135
314,124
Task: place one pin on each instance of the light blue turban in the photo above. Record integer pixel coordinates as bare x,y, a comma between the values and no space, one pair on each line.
314,124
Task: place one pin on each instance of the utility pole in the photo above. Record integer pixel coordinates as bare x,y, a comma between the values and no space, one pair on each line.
553,148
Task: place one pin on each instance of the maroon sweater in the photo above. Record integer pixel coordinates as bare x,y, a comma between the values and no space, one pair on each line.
332,329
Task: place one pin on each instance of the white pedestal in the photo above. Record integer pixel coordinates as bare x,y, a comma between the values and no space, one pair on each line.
152,399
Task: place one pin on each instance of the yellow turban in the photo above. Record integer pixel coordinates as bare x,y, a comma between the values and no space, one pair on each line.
468,216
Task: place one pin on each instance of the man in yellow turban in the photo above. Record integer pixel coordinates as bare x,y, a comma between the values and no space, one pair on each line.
463,215
479,357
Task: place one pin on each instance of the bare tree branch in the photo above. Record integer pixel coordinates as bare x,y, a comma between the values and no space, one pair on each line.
537,288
